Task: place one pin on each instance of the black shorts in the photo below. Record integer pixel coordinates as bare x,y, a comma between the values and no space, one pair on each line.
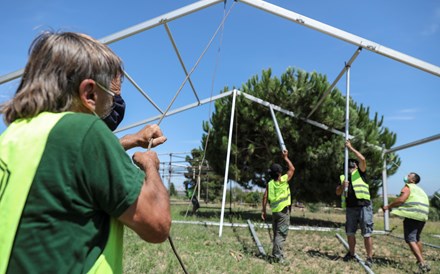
412,230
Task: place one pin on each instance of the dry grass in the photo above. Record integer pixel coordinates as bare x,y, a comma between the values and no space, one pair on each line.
202,251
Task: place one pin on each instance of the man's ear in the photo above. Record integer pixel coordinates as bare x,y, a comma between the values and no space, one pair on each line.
87,94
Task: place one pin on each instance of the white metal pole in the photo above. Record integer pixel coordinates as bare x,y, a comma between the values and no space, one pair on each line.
277,128
344,36
386,220
347,124
198,182
228,156
332,86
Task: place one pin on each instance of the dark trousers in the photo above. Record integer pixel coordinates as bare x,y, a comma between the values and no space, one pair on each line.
280,225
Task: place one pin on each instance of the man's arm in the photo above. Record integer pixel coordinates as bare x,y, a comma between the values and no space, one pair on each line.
361,158
149,216
291,169
142,138
340,188
263,210
404,194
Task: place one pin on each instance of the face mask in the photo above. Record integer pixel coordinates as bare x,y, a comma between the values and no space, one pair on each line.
405,179
114,118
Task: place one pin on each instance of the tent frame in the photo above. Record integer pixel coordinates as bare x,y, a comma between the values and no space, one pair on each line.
360,42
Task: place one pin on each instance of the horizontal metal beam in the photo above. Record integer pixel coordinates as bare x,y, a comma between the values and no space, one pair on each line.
167,17
344,36
175,111
415,143
290,113
149,24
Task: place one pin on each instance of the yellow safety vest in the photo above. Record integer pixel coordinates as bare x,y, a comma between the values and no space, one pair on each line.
361,189
279,194
15,186
416,207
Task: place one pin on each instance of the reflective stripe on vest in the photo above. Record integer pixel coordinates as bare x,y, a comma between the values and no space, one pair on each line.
343,197
416,207
279,194
16,177
361,189
110,261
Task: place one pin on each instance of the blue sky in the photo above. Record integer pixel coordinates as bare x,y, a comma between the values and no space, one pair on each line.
254,40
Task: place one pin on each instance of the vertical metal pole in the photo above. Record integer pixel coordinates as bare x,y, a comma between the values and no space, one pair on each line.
386,220
169,172
228,156
277,128
347,124
198,182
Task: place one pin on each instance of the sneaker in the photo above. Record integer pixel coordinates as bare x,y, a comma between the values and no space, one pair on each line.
369,262
283,262
348,257
423,268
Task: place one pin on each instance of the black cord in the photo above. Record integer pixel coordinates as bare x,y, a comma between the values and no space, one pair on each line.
177,255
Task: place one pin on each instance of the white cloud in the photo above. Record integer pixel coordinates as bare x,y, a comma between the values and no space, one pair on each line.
404,115
434,27
400,118
431,29
408,110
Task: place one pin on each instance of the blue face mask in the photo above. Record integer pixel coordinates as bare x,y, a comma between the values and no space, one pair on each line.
114,118
405,179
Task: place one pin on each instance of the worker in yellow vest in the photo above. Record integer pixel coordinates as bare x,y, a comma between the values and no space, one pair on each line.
67,186
356,200
413,206
278,194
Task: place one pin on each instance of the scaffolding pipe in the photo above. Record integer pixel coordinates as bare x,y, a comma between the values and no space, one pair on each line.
257,241
228,156
330,89
386,213
277,128
146,25
347,125
141,91
175,111
367,269
344,36
180,60
415,143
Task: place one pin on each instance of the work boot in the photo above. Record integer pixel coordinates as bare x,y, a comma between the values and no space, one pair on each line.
423,268
369,262
348,257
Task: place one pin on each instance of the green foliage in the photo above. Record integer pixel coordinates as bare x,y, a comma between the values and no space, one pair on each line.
211,185
173,191
317,154
253,198
434,210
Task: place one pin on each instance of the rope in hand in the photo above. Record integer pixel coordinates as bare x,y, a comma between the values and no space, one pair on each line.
150,142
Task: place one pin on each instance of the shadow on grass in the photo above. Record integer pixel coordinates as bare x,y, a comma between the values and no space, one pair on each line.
320,254
214,213
377,261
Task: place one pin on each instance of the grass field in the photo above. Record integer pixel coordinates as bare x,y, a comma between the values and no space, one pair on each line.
203,251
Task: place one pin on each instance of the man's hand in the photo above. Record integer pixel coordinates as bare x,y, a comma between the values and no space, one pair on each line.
348,144
385,208
146,160
263,215
285,154
143,137
150,133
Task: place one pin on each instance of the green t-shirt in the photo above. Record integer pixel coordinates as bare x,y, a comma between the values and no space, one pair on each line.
83,178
